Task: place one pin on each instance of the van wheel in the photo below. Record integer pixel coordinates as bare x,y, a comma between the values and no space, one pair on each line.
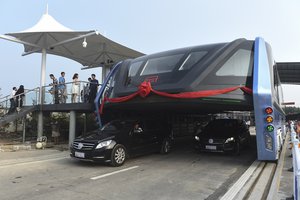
166,146
118,155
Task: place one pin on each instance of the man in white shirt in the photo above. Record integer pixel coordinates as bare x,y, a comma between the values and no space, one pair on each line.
12,100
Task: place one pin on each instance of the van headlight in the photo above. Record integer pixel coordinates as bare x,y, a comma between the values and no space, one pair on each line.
229,140
103,144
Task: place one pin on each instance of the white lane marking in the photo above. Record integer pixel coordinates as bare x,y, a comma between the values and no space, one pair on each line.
232,192
112,173
31,162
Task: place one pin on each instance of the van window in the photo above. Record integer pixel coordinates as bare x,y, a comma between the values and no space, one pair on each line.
134,67
237,65
161,64
192,59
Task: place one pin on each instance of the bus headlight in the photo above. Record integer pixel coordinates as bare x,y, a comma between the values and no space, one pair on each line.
270,128
269,142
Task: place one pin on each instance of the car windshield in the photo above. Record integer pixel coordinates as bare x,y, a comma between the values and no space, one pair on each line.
116,125
221,127
112,126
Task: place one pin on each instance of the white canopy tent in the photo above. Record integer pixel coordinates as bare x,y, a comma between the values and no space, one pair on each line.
89,48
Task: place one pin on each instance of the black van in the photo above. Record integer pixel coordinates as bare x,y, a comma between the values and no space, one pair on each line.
120,138
208,68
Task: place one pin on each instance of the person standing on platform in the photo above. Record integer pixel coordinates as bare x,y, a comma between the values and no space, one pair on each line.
93,88
12,100
20,96
86,91
62,88
54,88
75,88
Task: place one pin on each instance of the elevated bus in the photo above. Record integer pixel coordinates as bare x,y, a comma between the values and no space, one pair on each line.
200,81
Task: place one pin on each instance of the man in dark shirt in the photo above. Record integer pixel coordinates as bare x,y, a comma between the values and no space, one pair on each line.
93,88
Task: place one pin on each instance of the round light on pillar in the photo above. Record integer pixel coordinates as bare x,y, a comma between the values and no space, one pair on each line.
269,110
270,128
269,119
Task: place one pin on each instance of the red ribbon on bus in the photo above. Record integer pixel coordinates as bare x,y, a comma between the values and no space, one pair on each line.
145,89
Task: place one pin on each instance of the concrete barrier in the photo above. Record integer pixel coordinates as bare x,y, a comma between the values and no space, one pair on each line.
296,163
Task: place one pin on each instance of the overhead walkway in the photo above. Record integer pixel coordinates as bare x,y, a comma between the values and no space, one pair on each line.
79,107
66,103
31,102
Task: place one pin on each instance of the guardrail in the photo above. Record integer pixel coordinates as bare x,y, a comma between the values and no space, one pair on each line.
50,93
296,162
29,98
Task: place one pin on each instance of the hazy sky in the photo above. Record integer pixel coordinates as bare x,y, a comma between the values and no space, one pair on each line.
149,27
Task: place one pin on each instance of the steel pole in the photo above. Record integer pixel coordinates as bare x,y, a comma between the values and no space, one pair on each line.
42,93
72,127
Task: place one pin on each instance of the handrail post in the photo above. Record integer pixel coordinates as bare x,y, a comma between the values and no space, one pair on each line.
79,95
37,93
24,129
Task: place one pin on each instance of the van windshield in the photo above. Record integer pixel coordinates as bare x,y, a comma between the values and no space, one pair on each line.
162,64
221,127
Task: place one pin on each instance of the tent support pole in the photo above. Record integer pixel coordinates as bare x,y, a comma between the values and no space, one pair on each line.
43,77
104,73
42,93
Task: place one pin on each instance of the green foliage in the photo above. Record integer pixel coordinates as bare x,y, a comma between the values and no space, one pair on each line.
63,120
291,110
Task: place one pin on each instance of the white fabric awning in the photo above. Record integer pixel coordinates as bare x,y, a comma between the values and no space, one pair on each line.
59,40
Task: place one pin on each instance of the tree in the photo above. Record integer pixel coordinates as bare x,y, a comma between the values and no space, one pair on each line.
291,110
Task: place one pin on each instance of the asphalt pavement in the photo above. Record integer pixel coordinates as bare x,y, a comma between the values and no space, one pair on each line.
281,186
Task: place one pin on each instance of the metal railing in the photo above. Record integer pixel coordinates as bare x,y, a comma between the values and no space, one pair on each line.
296,162
28,98
64,94
51,94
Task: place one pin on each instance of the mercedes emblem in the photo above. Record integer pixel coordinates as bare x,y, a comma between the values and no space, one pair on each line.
80,145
